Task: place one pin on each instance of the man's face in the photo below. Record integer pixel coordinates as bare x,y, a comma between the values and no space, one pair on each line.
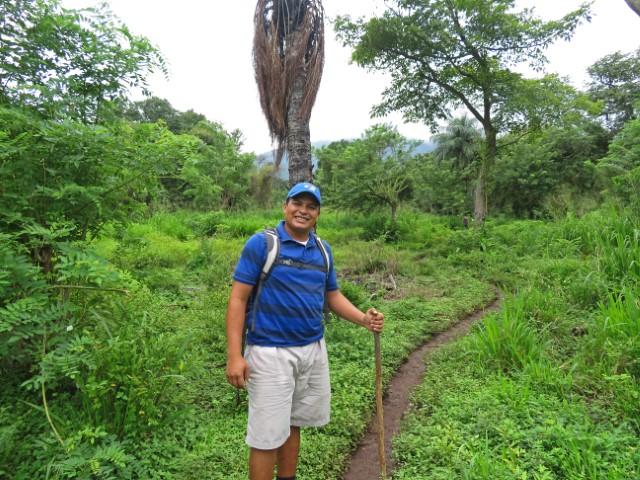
301,213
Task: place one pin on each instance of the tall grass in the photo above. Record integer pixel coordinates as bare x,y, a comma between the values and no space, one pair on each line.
614,335
509,338
617,246
555,391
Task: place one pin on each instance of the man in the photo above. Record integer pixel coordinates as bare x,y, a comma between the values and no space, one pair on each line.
285,368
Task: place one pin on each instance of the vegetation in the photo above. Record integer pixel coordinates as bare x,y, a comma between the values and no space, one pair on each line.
458,54
121,223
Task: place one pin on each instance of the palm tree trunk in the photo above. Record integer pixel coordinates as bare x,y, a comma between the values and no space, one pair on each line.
298,135
634,5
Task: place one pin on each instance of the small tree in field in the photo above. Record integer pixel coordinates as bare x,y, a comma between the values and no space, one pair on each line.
371,172
288,58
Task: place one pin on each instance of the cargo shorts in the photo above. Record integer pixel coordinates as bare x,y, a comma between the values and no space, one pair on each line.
288,386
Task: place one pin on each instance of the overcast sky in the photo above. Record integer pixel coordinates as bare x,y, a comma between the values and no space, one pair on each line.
207,44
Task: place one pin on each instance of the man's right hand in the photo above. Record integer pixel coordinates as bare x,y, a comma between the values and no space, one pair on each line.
237,372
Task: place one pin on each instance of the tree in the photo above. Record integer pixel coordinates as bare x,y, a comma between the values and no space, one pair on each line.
620,169
217,175
69,63
288,54
634,5
152,109
454,54
554,167
374,170
459,142
615,81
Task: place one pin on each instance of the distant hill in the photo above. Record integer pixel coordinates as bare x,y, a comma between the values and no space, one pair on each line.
268,157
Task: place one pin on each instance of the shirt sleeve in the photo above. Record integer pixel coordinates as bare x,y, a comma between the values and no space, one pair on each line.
252,258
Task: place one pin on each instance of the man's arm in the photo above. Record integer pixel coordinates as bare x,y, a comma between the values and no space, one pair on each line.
237,369
372,320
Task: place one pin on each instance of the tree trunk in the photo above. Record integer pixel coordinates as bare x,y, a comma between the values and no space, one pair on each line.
480,209
394,214
634,5
298,136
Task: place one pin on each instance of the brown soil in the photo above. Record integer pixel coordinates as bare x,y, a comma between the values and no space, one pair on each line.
365,462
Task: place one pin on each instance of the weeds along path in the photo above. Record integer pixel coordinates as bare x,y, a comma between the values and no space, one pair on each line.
364,463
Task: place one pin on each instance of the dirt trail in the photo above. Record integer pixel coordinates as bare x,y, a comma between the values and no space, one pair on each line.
364,464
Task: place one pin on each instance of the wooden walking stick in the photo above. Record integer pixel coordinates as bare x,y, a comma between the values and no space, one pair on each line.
381,455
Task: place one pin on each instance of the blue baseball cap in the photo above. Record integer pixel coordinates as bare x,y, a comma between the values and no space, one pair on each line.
305,187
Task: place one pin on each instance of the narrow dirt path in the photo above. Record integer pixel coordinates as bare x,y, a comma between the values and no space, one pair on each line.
364,464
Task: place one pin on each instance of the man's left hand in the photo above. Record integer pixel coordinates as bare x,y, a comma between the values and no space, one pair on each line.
373,320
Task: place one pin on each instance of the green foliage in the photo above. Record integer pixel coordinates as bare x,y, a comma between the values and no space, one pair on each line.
469,61
621,170
615,82
614,335
154,109
460,142
509,339
95,455
616,244
61,172
471,423
373,171
217,174
49,56
533,175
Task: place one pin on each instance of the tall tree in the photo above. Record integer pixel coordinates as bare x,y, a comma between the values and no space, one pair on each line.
454,54
615,81
461,143
288,57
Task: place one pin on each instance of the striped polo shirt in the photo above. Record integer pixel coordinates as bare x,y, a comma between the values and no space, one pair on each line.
290,311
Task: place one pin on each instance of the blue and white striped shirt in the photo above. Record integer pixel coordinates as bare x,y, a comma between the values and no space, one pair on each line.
290,311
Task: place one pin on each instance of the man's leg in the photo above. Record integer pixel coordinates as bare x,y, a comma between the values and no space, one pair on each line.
288,455
262,463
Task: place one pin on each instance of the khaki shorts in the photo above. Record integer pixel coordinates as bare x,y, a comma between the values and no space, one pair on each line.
287,387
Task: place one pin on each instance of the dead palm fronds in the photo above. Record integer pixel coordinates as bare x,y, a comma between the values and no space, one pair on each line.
288,53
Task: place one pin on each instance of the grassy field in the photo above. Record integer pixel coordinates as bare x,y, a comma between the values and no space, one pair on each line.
546,388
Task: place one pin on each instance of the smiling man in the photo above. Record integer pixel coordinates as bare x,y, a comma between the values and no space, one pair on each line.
285,367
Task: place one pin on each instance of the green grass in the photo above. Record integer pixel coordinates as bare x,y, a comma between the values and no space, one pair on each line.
546,388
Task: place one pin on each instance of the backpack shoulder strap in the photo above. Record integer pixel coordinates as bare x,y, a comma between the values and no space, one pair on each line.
327,268
273,250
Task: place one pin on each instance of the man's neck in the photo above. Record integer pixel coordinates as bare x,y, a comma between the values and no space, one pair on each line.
302,237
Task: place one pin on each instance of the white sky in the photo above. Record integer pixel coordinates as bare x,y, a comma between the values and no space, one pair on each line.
207,44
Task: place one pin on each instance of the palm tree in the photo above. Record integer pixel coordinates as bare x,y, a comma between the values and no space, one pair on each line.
461,142
288,55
